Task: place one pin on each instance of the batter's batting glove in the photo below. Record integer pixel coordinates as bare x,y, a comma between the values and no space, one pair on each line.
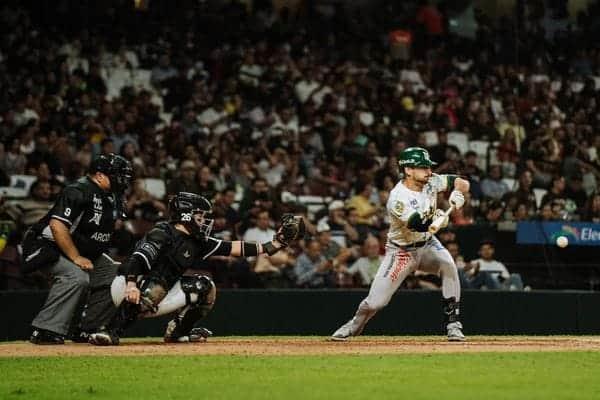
457,199
291,229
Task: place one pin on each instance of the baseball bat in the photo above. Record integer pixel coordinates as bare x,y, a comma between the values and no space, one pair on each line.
437,223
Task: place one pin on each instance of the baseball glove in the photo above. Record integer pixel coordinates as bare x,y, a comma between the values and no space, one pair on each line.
291,229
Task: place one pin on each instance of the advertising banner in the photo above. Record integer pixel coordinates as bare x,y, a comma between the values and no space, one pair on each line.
577,233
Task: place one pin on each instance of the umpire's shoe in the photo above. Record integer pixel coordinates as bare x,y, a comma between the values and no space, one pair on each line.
104,337
42,336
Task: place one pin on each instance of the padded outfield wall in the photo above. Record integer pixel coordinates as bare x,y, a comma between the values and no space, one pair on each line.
320,312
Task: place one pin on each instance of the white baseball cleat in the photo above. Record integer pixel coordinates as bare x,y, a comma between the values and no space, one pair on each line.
343,333
455,332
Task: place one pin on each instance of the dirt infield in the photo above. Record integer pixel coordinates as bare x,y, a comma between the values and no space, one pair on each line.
310,346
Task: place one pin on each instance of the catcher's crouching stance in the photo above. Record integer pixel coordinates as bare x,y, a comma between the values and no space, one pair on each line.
152,282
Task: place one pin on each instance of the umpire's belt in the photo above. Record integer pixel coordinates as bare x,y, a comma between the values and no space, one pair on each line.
414,245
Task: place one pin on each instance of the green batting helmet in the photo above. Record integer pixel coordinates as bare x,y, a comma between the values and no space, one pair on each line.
415,157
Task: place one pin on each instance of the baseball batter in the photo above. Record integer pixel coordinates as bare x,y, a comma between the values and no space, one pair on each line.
412,208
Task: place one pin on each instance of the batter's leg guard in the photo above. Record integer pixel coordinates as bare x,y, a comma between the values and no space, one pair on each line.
181,328
355,326
451,320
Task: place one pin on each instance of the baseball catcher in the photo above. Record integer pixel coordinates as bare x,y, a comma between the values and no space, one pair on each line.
151,282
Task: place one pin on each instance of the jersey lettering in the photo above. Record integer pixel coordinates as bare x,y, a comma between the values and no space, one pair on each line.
101,237
96,218
186,217
67,211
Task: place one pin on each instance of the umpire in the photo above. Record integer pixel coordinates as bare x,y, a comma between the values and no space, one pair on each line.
70,241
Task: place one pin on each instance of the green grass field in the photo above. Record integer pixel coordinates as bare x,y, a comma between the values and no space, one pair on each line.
522,375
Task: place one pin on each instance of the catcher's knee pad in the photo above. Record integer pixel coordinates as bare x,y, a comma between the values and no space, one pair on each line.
152,292
198,290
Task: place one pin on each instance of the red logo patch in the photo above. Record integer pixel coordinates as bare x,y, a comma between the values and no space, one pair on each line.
402,260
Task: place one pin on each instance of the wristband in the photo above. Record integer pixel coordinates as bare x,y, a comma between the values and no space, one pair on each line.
249,249
270,249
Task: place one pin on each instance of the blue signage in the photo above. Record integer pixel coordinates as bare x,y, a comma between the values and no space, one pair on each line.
578,233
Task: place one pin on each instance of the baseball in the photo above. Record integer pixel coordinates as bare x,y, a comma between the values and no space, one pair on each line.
562,241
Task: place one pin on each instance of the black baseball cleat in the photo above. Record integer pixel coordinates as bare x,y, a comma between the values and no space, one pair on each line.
44,337
104,337
196,335
80,337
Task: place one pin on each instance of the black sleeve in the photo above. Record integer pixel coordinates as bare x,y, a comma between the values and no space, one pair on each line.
416,224
69,206
215,247
147,251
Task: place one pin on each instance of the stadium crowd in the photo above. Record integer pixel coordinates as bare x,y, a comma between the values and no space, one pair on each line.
287,109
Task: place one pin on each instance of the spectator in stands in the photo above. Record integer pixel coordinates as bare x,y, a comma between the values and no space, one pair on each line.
206,183
312,269
507,153
342,232
30,210
366,266
13,162
574,192
186,180
492,186
331,249
546,213
258,197
470,278
486,263
361,202
556,192
592,209
494,213
224,202
524,194
513,124
268,268
443,152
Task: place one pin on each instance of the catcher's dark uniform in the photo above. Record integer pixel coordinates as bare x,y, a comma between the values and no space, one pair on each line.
157,265
90,214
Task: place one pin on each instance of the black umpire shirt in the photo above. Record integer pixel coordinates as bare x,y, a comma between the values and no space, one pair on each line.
90,214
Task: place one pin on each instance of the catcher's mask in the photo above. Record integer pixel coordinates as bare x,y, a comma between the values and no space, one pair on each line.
117,168
191,210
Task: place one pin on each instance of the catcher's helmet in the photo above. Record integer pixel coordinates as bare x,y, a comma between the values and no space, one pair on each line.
117,168
415,157
191,210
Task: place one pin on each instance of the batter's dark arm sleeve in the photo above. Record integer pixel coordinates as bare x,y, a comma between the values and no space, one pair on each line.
146,253
415,223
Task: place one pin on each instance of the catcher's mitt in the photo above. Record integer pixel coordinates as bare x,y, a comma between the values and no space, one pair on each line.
291,229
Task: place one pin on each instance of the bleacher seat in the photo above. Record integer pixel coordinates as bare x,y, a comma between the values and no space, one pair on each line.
13,193
460,140
480,147
539,194
22,181
510,182
156,187
431,138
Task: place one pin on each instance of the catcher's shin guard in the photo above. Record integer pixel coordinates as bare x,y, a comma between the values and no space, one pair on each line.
181,328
